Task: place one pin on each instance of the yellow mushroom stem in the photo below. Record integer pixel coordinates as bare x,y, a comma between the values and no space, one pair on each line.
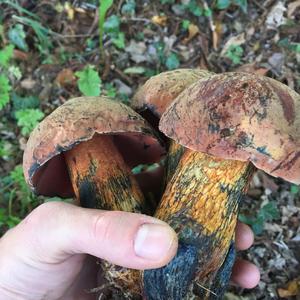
101,179
201,203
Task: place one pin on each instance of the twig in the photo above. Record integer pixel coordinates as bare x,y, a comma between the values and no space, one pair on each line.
123,75
206,289
212,26
95,22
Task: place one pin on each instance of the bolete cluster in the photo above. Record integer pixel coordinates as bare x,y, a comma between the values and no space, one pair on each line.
219,130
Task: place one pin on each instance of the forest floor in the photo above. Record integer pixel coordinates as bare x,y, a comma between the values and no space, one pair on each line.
49,53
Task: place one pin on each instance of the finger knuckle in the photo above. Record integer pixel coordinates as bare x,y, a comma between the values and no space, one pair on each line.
43,212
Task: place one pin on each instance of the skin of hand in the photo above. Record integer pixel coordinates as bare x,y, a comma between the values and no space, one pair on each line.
51,253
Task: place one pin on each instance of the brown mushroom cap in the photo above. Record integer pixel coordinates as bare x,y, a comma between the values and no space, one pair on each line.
79,120
240,116
160,90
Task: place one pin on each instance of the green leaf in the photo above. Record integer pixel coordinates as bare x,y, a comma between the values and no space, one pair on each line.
27,119
15,72
172,62
246,219
269,212
110,90
128,7
295,189
167,1
242,4
12,221
234,53
89,81
135,70
295,47
160,48
194,8
119,40
5,55
112,24
24,102
5,150
185,24
207,12
223,4
17,176
258,226
104,6
4,91
20,9
42,34
17,37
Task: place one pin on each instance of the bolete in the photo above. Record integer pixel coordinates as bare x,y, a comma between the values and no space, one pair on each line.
231,124
157,93
86,148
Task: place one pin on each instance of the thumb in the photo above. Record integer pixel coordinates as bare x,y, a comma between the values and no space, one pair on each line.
56,230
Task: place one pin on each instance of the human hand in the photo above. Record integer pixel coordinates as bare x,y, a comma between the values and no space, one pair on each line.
45,256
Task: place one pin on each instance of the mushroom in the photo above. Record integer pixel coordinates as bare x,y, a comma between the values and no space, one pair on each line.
231,125
160,90
152,99
86,148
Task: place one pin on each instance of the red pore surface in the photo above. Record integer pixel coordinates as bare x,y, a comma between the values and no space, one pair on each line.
79,120
240,116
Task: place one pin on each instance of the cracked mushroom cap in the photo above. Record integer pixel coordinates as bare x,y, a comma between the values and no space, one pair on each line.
240,116
79,120
160,90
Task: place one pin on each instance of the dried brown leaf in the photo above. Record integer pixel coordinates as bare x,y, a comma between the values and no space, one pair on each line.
292,289
65,77
193,31
160,20
236,40
292,8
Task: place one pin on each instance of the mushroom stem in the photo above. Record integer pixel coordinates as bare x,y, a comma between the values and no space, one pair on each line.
174,155
201,203
101,179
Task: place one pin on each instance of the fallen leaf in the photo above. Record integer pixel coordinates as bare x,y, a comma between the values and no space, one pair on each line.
169,42
28,83
193,31
276,61
69,10
218,32
65,77
122,87
20,55
137,51
292,289
160,20
135,70
292,8
296,238
236,40
275,17
22,143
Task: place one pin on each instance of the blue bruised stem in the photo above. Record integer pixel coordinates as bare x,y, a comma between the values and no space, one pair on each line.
221,280
201,204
